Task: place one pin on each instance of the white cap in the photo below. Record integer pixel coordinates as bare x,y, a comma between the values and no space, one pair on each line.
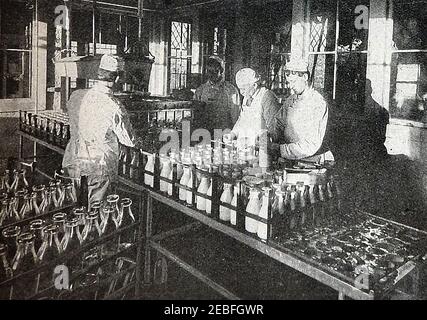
297,64
246,76
111,63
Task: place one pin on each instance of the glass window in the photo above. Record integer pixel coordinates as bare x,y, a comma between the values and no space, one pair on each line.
337,60
180,55
408,83
15,50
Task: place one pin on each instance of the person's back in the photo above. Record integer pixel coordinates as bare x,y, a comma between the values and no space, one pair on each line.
98,122
95,120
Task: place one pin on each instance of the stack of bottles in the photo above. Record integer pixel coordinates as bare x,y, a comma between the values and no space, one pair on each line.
51,127
25,246
20,200
212,180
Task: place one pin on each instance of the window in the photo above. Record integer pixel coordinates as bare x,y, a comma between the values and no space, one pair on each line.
15,50
214,43
180,55
279,55
338,58
408,83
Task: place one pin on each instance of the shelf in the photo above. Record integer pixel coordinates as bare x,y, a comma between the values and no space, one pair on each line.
40,216
287,258
120,292
82,272
67,255
51,146
194,272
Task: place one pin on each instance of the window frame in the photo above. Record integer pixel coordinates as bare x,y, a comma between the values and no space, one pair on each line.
336,52
5,50
393,51
189,55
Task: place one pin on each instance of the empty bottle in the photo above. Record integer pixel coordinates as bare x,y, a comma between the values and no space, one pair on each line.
25,257
5,268
51,246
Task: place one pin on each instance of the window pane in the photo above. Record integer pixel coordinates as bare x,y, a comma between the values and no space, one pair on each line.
408,91
351,81
409,24
353,31
15,25
179,50
321,67
14,74
322,25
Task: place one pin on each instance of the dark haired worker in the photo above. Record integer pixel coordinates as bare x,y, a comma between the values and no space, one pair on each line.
221,97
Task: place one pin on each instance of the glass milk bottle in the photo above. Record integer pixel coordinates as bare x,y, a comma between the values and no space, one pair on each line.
253,207
293,203
134,164
170,176
184,180
263,213
179,167
149,167
226,197
189,193
203,189
165,172
208,206
233,213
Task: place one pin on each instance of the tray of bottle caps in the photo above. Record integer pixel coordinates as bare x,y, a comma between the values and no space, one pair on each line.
50,126
300,211
355,245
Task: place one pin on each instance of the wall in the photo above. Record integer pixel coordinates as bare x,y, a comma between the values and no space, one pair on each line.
9,141
407,142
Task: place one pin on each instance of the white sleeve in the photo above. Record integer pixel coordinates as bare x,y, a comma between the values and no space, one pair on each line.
312,136
122,127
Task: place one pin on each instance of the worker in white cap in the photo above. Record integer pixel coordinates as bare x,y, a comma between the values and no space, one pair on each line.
221,97
98,122
303,118
259,108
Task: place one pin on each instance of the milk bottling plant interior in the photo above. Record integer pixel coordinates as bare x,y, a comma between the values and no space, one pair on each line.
203,150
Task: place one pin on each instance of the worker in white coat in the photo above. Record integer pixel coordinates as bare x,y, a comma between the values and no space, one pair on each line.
259,108
303,118
98,122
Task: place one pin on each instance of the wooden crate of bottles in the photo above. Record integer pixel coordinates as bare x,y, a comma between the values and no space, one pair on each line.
265,206
52,127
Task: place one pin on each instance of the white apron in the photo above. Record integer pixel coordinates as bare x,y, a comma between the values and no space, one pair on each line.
251,121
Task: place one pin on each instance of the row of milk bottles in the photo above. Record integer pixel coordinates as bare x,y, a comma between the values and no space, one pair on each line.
203,156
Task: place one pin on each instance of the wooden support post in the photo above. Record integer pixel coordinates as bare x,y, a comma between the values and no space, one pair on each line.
148,234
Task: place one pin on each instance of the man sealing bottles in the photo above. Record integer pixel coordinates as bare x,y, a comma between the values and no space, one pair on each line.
259,108
302,121
98,122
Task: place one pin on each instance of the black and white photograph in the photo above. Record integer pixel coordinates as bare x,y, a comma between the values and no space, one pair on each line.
206,157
